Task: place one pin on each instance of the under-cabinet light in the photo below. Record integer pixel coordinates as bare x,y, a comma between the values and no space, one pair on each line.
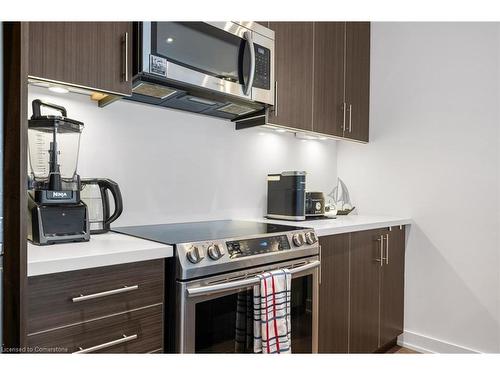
59,89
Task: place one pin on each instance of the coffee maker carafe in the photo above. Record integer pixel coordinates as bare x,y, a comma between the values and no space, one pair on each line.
55,211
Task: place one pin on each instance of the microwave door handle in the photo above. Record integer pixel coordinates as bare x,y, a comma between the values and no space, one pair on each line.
222,287
248,37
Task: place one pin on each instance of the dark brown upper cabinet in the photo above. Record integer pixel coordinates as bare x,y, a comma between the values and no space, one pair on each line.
294,75
357,80
91,55
329,68
322,77
342,79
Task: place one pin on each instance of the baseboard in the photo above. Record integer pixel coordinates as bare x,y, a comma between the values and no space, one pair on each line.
426,344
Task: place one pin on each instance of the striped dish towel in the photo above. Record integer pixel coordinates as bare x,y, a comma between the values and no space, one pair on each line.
271,305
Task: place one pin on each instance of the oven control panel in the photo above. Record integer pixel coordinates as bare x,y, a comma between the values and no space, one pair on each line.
196,259
254,246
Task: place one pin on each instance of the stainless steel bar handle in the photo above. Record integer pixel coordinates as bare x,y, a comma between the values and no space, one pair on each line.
344,109
192,292
319,269
248,37
381,248
350,118
87,297
125,58
387,249
275,98
119,341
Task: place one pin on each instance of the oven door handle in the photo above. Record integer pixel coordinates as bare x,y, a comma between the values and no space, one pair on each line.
204,290
248,37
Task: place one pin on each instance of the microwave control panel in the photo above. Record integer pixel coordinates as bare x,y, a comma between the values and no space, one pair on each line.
262,78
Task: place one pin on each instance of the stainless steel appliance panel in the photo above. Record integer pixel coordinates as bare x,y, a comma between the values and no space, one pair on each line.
192,54
221,290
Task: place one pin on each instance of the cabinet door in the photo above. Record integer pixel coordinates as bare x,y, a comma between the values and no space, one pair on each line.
94,55
392,286
329,48
364,287
294,74
334,294
357,80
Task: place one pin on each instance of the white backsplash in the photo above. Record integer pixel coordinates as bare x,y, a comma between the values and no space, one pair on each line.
177,166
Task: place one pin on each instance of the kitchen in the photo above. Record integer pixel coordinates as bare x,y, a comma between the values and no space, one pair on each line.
174,167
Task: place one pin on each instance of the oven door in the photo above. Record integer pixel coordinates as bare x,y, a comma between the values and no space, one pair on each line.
226,57
208,313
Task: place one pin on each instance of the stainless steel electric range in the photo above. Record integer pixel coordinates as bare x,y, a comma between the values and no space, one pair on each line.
215,261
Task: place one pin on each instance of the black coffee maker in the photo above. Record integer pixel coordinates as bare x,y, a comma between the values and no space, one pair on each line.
55,212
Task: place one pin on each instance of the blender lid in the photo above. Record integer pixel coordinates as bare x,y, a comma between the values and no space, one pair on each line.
49,122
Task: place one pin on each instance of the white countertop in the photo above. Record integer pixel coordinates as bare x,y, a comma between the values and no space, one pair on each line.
102,250
114,248
344,224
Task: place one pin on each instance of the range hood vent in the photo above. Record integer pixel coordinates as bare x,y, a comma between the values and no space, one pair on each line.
178,95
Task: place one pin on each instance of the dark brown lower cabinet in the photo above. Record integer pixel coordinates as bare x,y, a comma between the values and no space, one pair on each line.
334,294
364,293
392,286
113,309
362,290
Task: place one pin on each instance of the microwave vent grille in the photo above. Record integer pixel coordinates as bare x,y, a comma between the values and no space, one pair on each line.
235,109
155,91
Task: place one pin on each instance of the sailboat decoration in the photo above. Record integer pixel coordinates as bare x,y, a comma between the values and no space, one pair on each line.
340,200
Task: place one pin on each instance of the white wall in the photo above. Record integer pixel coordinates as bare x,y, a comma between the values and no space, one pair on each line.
176,166
434,156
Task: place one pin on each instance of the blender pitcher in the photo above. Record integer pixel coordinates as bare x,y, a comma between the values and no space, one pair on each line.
53,149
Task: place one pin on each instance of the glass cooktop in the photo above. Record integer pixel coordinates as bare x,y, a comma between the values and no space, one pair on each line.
172,234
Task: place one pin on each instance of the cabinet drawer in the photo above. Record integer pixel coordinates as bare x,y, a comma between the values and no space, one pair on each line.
137,331
65,298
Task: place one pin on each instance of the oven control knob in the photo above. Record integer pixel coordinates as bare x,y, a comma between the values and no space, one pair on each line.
195,254
311,238
215,252
298,239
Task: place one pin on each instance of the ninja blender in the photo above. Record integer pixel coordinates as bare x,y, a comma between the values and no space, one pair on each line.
55,212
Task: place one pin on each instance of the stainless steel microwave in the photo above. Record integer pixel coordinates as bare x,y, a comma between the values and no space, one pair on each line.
223,69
